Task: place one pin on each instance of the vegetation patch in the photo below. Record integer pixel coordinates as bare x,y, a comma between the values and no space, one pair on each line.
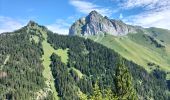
80,75
63,53
34,38
48,50
22,66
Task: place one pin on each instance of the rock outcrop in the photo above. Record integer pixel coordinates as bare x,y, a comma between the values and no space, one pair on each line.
95,23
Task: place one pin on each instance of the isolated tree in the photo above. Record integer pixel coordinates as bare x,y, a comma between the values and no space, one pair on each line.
123,82
97,95
109,95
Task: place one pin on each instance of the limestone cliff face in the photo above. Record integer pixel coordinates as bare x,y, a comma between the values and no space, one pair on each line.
95,23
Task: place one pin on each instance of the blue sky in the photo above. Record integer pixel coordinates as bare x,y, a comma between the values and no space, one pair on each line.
58,15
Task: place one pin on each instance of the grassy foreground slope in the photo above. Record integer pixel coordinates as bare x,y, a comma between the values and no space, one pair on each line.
138,50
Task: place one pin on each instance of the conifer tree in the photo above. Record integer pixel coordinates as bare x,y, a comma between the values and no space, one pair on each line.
109,95
123,82
97,95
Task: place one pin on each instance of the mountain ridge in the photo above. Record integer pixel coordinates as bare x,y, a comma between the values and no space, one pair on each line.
95,23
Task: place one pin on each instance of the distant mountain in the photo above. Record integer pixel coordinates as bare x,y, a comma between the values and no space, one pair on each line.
148,47
36,64
95,23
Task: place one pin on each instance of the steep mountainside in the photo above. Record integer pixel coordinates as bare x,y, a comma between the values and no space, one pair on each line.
149,48
38,64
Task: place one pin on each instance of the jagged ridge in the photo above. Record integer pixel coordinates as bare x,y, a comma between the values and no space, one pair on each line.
95,23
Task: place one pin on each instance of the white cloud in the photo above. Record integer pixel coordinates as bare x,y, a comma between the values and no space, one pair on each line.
60,26
156,13
153,18
58,29
10,24
146,4
86,7
137,3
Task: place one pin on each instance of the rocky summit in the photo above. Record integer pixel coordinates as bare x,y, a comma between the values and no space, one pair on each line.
95,23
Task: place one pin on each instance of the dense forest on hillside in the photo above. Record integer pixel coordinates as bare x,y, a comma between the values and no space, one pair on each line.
23,69
98,63
91,72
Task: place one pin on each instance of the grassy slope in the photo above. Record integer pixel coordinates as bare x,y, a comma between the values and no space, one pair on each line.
63,54
162,54
131,50
162,34
48,50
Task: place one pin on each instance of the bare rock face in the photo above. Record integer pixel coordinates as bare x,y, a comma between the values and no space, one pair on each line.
95,23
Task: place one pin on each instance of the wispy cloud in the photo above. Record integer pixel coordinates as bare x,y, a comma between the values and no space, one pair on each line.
58,29
145,4
151,19
156,13
86,7
138,3
10,24
61,26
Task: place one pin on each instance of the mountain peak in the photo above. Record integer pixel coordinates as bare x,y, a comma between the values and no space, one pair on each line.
95,23
94,15
32,23
94,12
